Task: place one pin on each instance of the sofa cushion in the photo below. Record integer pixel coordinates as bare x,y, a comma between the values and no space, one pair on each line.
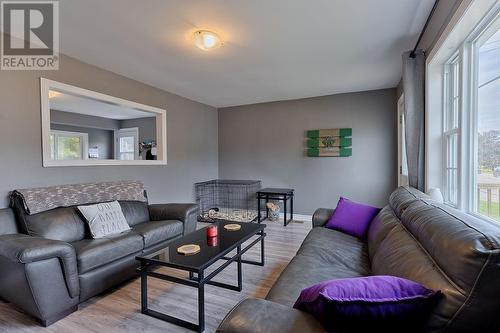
401,198
329,246
324,255
261,316
443,249
93,253
154,232
135,212
64,224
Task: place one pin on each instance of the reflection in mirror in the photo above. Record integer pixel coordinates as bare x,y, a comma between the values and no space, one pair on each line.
83,128
87,128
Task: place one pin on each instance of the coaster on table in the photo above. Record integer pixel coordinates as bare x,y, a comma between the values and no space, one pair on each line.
188,249
232,227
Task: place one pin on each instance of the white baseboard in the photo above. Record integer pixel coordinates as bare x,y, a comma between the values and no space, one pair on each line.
297,217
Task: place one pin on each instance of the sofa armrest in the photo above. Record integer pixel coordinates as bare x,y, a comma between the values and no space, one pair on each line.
321,216
262,316
24,249
186,213
39,276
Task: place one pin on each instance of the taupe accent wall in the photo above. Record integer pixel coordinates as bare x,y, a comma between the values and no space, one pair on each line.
191,131
266,141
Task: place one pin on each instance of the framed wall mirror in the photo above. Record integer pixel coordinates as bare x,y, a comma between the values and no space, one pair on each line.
81,127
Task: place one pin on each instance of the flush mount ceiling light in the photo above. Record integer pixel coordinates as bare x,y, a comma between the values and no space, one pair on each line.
206,40
53,93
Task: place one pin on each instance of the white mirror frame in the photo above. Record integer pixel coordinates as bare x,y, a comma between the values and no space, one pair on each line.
161,126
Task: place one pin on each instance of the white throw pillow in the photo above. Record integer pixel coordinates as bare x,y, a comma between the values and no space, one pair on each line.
105,219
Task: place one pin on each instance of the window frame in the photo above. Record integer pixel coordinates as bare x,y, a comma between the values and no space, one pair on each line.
84,139
467,146
490,22
452,77
125,132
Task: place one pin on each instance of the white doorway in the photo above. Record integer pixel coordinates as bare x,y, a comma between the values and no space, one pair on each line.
127,144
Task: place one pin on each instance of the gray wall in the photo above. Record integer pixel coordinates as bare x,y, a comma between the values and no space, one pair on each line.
147,129
78,119
266,142
100,129
192,135
101,138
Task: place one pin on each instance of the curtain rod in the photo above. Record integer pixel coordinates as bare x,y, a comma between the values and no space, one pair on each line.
412,54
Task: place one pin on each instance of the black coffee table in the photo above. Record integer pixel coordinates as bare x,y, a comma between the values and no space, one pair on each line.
227,241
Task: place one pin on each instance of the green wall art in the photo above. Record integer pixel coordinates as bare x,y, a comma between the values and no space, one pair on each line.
334,142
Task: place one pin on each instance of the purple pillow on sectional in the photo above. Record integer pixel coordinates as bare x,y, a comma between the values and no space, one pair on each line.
370,300
352,218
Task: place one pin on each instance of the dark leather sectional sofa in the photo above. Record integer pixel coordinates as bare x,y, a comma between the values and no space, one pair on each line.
49,263
413,237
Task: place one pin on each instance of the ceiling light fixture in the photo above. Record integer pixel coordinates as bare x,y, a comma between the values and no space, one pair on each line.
53,94
206,40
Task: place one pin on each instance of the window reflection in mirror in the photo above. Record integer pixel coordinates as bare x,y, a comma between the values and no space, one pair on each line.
82,128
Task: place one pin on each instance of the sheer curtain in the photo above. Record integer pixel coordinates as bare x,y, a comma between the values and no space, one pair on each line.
413,87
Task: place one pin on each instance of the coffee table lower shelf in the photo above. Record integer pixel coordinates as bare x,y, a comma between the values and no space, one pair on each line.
199,281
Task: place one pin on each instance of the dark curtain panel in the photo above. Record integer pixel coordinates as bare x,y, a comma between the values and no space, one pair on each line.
413,87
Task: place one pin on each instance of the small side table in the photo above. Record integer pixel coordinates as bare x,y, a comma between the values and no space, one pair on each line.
279,194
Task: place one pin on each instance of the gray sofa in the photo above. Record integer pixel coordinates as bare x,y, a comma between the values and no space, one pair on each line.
49,263
413,237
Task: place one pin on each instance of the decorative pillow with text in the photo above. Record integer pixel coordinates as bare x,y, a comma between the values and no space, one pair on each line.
104,219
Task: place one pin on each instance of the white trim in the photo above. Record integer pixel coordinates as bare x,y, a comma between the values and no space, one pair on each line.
118,133
491,22
463,22
459,37
85,142
450,79
301,217
296,217
161,125
96,162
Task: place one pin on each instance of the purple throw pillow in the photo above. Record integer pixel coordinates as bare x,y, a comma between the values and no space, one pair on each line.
352,218
366,301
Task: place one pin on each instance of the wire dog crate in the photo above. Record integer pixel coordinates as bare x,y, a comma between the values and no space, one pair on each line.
230,200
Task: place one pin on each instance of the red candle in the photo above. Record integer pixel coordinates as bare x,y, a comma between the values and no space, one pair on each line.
212,231
212,241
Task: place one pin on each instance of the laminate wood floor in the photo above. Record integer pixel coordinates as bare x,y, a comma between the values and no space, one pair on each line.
119,309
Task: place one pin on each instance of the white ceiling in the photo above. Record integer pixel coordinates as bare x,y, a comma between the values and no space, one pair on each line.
274,49
91,107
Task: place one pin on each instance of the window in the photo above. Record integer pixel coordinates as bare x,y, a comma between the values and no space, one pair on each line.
127,144
471,121
68,145
486,124
451,129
